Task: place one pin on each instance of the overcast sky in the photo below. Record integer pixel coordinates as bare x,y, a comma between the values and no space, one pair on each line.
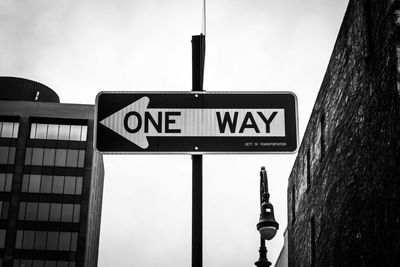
79,48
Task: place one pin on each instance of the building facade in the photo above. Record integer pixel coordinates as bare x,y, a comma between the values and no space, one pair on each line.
344,188
282,260
51,179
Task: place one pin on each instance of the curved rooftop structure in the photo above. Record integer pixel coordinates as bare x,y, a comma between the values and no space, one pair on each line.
19,89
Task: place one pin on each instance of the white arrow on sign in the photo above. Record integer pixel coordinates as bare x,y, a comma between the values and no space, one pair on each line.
136,122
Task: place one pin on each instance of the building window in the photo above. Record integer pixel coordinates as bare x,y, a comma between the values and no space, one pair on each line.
53,212
42,240
3,233
293,204
6,182
4,207
28,240
9,129
52,240
49,184
54,157
312,230
7,155
42,263
308,169
322,141
58,132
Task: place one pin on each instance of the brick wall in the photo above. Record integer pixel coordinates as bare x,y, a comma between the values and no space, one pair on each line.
344,189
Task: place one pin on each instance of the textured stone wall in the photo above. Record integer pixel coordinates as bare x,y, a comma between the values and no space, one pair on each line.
344,189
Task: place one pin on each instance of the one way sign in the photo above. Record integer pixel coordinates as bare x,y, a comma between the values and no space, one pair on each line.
196,122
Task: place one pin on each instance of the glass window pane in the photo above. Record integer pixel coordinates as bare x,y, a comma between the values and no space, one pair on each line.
4,212
43,213
58,184
65,241
8,182
64,132
38,263
62,263
69,187
41,131
72,158
52,240
55,212
2,182
4,154
61,157
78,189
34,183
5,182
7,131
37,156
81,158
75,133
18,240
11,155
52,132
25,183
26,263
7,155
45,185
16,128
28,156
67,211
49,155
22,210
74,241
31,211
40,240
84,133
28,239
77,210
50,264
33,131
2,237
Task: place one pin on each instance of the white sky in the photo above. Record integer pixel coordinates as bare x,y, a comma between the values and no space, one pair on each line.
79,48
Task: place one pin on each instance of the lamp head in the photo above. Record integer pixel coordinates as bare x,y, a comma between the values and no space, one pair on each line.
267,226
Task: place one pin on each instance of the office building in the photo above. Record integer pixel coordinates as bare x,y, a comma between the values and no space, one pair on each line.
51,179
344,188
282,260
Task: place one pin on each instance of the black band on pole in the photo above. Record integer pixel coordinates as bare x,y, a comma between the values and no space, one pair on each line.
198,55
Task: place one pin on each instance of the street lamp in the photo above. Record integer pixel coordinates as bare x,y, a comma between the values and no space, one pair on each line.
267,226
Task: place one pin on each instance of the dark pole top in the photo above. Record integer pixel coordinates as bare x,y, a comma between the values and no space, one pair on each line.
264,194
198,57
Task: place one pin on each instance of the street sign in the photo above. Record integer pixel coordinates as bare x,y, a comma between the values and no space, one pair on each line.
196,122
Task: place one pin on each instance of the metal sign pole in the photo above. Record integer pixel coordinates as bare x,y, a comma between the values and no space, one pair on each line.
198,54
197,211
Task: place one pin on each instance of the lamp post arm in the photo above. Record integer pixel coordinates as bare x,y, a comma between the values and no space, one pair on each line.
264,194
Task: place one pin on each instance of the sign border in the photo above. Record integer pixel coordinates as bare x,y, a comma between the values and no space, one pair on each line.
194,152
